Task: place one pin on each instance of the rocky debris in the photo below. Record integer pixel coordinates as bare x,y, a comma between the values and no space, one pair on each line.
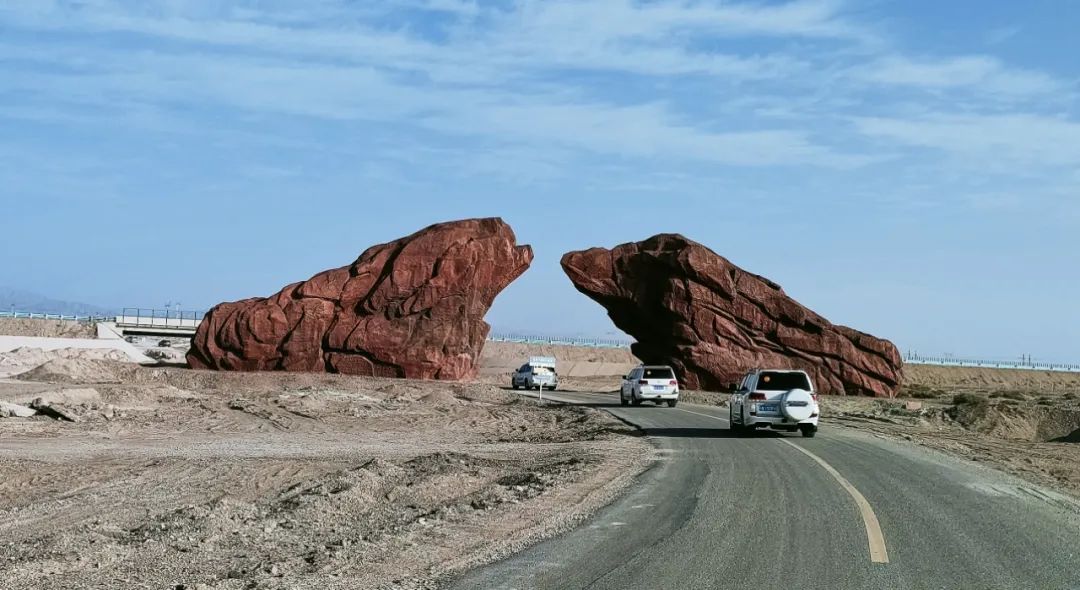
54,410
15,411
712,321
74,370
410,308
165,355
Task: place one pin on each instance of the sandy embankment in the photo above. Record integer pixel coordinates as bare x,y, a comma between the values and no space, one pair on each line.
499,359
46,328
224,480
956,378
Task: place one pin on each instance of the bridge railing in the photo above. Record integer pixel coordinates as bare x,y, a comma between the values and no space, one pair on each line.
139,317
55,316
561,340
912,358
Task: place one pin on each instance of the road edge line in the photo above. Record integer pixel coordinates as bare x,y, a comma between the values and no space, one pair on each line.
874,537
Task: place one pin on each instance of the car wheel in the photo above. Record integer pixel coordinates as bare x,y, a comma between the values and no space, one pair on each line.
513,384
808,430
634,400
671,403
623,401
744,428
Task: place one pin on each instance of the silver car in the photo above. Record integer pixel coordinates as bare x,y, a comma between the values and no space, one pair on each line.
535,376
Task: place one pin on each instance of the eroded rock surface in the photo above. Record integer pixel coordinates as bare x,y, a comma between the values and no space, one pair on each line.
690,307
410,308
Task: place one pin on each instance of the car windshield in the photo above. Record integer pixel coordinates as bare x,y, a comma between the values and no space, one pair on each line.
658,373
773,381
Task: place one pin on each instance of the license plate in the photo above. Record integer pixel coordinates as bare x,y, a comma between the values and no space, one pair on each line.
658,388
768,408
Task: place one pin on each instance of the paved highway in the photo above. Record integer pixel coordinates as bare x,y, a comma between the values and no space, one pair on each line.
720,511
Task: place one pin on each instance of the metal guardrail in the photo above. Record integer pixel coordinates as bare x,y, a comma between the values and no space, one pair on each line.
950,361
55,316
561,340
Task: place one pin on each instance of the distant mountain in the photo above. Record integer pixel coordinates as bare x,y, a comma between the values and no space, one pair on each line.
18,300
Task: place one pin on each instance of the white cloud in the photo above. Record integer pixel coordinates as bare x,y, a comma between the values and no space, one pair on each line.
664,80
1027,142
617,35
643,131
981,74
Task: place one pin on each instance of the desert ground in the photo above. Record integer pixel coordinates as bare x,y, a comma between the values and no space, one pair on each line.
164,477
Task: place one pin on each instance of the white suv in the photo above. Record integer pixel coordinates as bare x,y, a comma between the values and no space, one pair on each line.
650,383
777,399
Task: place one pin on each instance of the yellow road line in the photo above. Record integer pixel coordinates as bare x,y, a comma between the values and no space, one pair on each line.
874,536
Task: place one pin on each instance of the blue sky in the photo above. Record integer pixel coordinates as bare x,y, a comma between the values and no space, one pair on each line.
908,168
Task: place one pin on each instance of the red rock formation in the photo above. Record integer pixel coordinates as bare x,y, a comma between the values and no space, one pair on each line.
410,308
689,307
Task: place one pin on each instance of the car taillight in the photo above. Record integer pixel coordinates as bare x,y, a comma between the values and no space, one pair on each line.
673,382
814,395
643,382
757,396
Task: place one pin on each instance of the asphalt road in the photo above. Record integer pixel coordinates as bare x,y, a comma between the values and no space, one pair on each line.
721,511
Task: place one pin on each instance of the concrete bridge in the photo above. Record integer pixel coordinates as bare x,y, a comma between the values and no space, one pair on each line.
134,321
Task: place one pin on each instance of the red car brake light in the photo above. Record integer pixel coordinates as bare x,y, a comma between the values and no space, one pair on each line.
757,396
643,382
673,382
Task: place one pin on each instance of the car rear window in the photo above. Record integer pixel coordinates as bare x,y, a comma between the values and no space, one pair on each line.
771,381
658,373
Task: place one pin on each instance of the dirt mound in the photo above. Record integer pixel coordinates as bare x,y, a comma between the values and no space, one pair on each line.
75,370
440,398
1041,421
71,364
929,376
46,328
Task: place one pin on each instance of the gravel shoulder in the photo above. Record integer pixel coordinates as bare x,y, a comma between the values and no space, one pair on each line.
178,478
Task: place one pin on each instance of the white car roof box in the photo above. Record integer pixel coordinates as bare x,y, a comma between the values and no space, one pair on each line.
542,361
